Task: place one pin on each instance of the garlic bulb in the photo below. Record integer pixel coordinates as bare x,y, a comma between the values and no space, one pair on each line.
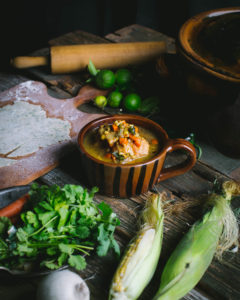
63,285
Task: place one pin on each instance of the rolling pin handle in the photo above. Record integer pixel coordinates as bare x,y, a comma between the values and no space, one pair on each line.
22,62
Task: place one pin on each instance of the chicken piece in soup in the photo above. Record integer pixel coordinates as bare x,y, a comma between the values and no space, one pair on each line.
121,142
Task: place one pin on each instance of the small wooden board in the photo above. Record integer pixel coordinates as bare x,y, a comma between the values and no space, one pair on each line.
30,167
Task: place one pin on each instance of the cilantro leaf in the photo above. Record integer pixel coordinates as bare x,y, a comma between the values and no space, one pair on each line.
103,247
64,213
5,225
77,261
46,217
82,232
22,235
105,209
115,246
31,218
73,192
51,251
45,205
104,241
24,249
66,248
50,264
62,259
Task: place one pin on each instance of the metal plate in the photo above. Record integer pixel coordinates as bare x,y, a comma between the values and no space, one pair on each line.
8,196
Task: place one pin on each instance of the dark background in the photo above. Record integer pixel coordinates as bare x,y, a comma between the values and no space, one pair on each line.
27,25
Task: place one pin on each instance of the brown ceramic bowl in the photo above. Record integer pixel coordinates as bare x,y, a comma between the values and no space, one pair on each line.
210,40
125,180
210,75
206,65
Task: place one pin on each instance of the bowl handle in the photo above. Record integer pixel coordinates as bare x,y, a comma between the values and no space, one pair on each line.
183,167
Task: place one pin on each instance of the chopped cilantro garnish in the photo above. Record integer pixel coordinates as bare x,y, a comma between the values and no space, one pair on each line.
118,156
132,129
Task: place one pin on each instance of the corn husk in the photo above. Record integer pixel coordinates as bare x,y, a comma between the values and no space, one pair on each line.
141,258
214,234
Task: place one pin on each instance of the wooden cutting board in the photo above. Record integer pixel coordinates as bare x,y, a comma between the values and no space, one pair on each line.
30,167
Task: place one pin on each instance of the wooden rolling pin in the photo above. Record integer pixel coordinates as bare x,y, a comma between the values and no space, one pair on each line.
73,58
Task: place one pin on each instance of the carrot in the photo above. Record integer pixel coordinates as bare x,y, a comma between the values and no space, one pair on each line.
136,128
115,127
154,141
14,208
132,137
123,141
137,142
135,139
108,155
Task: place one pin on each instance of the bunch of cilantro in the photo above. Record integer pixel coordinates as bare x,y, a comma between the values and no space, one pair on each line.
61,227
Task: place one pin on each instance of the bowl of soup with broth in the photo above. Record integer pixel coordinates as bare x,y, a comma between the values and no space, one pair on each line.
124,154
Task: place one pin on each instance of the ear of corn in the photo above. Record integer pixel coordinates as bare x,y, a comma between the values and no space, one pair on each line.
217,231
140,260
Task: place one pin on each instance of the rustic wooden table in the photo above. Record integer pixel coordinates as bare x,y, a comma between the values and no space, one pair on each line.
222,280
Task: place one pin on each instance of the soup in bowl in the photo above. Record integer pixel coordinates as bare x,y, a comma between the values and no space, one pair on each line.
122,142
124,154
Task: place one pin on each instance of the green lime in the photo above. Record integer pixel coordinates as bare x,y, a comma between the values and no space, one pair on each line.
105,79
100,101
123,76
115,99
132,102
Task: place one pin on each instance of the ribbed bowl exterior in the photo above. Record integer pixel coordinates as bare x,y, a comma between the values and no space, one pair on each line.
121,181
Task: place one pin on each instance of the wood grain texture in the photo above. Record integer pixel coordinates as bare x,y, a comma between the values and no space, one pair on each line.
138,32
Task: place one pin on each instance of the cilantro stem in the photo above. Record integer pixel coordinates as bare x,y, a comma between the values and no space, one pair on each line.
85,247
42,245
83,251
75,246
3,243
58,236
40,229
80,248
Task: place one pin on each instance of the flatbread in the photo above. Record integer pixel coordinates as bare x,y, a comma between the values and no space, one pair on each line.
25,127
4,162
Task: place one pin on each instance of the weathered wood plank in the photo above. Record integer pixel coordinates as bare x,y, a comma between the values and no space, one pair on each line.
77,37
227,165
8,80
139,33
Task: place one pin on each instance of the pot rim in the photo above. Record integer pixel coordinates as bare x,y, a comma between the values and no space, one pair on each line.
95,123
188,52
